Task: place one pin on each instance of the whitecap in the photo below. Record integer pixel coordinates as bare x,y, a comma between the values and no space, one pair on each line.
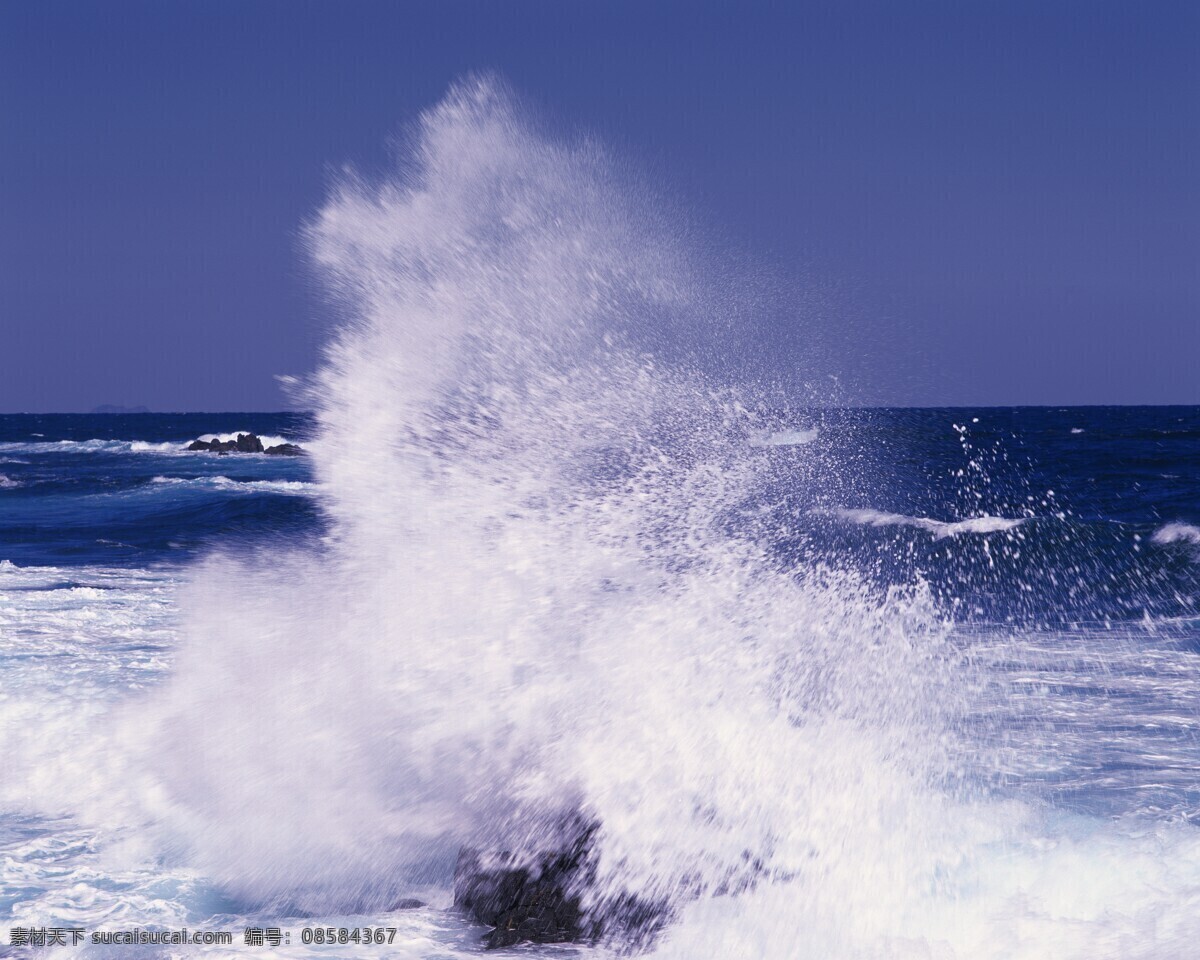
939,528
93,445
145,446
298,487
1177,533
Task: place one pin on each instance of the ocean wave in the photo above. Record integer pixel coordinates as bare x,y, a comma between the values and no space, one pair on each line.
1177,533
145,446
7,483
295,487
92,446
939,528
58,446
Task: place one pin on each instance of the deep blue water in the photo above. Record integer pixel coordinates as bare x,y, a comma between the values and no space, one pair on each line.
1108,500
122,490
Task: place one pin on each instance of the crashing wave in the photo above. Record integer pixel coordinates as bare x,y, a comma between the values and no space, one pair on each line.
532,609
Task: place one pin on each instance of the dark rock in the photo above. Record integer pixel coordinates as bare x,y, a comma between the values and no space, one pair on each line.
539,897
408,903
245,443
216,446
285,450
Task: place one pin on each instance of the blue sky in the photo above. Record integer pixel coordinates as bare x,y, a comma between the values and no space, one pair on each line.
971,202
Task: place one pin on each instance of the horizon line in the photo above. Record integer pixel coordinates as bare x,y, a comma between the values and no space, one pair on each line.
865,406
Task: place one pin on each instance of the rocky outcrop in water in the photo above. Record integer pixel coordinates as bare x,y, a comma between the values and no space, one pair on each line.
245,443
540,897
285,450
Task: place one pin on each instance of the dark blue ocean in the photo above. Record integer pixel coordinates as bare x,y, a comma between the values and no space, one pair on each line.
1104,502
122,489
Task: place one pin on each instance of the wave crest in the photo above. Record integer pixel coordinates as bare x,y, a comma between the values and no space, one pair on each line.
1177,533
939,528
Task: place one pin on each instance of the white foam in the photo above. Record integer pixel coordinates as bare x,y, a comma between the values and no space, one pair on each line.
59,446
298,487
1011,885
93,446
1177,533
939,528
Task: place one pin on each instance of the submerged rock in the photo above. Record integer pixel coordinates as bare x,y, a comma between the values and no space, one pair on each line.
549,896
